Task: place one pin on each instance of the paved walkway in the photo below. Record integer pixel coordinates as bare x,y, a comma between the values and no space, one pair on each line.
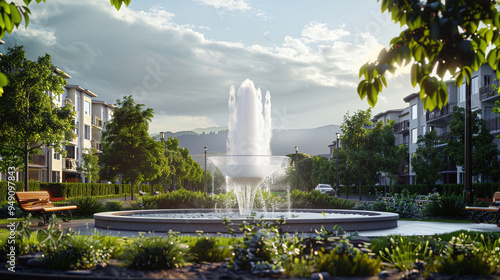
86,227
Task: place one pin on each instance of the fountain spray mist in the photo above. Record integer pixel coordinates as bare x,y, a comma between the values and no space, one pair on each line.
248,159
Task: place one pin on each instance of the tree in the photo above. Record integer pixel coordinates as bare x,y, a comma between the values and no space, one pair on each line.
441,37
484,154
357,139
322,171
90,166
304,170
29,118
388,154
127,147
427,162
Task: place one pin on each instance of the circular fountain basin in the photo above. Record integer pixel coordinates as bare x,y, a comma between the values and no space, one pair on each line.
209,221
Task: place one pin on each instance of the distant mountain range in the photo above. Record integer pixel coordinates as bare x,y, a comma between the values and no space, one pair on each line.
313,141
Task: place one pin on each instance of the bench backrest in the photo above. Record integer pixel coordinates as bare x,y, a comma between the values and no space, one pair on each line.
34,200
496,196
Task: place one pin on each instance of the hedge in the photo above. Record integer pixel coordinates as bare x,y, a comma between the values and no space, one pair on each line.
483,190
4,187
72,189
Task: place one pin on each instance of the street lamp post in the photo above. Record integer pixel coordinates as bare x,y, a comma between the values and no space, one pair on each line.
162,139
337,169
205,188
296,167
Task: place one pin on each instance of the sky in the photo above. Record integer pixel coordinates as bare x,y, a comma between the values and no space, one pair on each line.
180,57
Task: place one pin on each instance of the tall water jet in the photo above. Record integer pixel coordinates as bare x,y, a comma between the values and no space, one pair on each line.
248,159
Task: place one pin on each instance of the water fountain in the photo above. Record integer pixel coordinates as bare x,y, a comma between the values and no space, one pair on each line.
248,160
247,163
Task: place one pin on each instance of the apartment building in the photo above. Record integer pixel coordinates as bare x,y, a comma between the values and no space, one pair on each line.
90,119
414,121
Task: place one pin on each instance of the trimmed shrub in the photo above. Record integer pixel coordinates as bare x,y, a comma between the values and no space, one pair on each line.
317,200
114,205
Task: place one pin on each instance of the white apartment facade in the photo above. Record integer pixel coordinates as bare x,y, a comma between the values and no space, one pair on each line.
90,119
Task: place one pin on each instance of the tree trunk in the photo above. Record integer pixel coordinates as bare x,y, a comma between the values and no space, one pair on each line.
468,145
359,189
131,190
26,164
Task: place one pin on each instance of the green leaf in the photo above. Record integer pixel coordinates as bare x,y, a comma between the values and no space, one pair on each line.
414,69
361,89
492,58
372,96
489,35
459,80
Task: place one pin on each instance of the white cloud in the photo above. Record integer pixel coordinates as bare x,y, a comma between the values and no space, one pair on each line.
231,5
317,32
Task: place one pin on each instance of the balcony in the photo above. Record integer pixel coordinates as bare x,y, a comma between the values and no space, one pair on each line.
440,116
402,127
488,93
68,100
69,164
96,145
96,121
444,138
493,124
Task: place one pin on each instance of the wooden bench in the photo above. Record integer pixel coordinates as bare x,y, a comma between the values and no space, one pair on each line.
488,214
39,203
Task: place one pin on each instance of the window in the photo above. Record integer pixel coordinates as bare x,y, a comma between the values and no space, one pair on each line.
423,129
406,138
414,135
76,129
474,86
86,108
487,80
57,156
461,93
87,132
414,112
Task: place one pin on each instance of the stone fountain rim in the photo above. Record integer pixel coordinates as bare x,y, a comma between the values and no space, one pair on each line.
118,220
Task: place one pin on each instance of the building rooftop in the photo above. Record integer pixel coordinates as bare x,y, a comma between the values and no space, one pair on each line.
87,91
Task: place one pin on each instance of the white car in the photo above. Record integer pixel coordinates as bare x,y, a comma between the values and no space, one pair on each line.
325,188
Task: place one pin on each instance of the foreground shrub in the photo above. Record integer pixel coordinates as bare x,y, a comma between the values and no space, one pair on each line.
345,260
210,249
77,252
152,253
87,206
29,241
464,255
446,206
403,204
404,252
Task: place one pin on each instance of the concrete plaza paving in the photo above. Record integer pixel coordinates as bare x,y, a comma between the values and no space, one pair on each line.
86,227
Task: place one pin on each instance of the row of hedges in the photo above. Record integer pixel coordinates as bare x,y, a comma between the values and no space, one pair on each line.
485,190
19,186
69,190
